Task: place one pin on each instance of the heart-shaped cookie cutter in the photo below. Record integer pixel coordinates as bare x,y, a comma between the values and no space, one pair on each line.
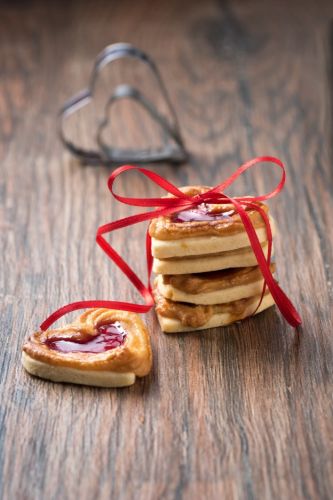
172,150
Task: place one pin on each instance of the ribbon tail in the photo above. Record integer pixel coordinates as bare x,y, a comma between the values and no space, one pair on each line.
282,301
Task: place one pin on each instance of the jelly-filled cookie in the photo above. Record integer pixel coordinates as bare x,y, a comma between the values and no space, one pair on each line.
102,347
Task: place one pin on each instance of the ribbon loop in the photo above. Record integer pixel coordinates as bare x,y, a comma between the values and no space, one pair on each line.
175,203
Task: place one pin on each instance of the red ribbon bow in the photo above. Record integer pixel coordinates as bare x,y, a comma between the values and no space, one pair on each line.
167,206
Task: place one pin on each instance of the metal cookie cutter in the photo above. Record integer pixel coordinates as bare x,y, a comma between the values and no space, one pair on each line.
172,148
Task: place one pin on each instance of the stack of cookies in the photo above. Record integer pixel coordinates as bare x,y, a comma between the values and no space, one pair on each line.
207,273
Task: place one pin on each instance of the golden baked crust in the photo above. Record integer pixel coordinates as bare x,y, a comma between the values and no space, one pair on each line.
164,228
133,356
194,316
214,280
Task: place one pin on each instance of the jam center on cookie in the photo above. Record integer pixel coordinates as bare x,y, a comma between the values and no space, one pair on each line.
202,213
108,337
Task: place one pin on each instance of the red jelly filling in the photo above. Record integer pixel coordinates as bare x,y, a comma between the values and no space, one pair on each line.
108,337
201,213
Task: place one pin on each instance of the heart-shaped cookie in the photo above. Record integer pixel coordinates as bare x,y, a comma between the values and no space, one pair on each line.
102,347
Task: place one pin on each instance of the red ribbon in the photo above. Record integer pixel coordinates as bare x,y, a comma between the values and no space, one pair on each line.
167,206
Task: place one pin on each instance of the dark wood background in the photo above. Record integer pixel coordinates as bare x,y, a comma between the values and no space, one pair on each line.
239,413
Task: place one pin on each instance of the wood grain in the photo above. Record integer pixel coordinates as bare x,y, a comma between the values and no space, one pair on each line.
239,413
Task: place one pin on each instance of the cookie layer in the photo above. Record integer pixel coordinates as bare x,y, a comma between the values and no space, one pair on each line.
204,263
229,222
218,287
204,245
217,319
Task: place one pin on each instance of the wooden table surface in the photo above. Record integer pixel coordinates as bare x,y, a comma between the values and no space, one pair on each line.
243,412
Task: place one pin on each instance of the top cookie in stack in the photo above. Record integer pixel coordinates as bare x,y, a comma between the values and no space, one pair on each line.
207,272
